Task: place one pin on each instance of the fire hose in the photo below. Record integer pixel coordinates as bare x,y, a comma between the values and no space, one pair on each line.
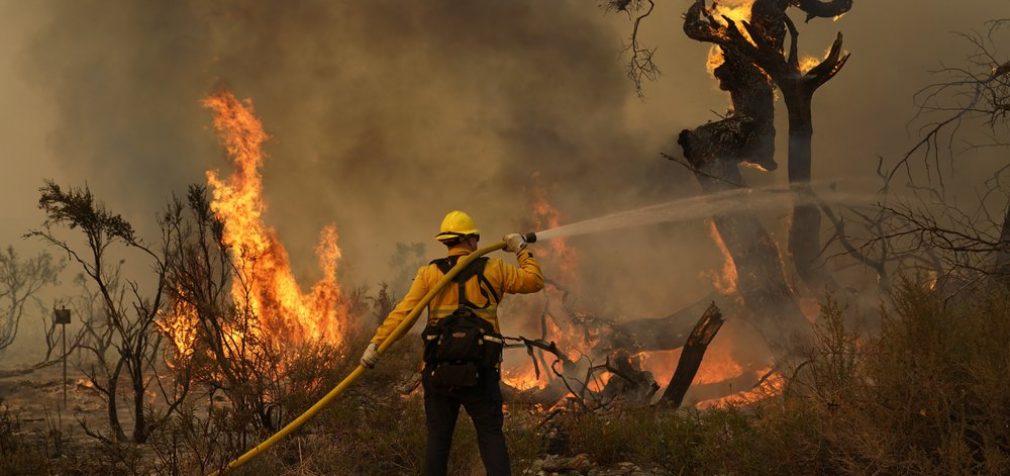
398,332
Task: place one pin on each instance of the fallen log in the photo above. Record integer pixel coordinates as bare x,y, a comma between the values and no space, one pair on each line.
692,355
669,332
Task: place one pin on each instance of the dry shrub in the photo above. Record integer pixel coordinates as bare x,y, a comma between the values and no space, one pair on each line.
928,394
17,457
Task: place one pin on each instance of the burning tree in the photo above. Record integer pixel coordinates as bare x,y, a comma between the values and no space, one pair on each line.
749,41
265,280
239,319
749,59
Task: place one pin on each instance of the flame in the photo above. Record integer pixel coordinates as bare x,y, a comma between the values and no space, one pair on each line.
725,281
283,316
181,327
524,378
715,59
737,10
558,253
563,327
932,279
267,283
772,385
808,63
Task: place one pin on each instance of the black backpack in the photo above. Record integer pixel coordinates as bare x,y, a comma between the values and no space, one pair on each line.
461,346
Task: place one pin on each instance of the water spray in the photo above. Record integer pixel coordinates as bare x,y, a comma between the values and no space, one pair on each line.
743,200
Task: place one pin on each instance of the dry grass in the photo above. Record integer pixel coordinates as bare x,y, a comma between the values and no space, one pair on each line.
928,394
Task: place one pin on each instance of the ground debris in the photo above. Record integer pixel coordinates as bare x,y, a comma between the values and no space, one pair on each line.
581,465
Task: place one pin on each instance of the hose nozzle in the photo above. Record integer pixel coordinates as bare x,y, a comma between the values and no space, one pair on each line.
530,237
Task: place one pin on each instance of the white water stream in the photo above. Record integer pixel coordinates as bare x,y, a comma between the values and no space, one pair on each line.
748,200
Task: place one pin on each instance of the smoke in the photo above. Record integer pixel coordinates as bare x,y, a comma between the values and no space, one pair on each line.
384,115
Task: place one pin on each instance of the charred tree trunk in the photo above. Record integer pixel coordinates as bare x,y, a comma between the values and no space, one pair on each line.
760,277
805,226
766,48
714,150
692,355
761,43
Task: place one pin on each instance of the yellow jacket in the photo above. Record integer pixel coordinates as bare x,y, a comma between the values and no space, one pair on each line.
505,278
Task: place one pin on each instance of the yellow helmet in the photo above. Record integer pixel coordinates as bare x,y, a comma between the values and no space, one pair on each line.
456,224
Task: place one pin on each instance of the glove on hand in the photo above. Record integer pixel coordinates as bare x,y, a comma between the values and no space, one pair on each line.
371,356
514,242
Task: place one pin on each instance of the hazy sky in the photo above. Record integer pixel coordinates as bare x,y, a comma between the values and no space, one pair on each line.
385,114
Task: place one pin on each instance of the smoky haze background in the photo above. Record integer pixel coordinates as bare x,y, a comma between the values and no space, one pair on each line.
386,114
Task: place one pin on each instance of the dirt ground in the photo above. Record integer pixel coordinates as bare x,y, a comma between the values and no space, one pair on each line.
36,399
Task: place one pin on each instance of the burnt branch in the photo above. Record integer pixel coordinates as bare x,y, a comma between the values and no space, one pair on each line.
822,9
530,344
978,90
690,358
640,63
829,66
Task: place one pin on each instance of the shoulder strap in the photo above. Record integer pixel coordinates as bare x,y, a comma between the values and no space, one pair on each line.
476,268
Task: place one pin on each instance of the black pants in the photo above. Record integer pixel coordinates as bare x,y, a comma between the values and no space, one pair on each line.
484,405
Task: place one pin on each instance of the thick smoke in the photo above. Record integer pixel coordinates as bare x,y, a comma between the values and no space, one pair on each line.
383,117
386,114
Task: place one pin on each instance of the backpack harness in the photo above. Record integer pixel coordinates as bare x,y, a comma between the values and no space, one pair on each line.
461,346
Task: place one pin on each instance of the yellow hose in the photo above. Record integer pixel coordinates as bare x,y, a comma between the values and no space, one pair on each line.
401,329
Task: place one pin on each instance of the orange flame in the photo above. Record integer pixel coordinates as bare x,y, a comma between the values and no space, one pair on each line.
283,316
286,314
524,378
181,327
737,10
558,252
726,280
560,260
771,386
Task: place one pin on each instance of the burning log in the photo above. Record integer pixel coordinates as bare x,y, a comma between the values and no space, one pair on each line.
691,356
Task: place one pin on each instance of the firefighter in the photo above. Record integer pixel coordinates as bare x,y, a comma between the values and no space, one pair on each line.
463,344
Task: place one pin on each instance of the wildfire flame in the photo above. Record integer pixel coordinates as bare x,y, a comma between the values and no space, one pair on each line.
737,10
724,281
772,385
268,284
558,253
561,263
284,316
